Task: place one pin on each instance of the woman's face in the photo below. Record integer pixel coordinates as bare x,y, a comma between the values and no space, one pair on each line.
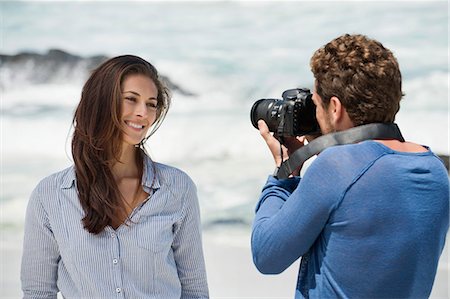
139,107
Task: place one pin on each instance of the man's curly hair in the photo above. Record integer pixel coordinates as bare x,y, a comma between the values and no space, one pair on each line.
363,74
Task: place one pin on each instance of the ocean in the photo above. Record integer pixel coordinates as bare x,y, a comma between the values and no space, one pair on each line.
222,56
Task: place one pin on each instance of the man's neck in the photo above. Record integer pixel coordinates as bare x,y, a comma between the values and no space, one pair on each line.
407,147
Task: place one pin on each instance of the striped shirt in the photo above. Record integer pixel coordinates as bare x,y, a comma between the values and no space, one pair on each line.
157,255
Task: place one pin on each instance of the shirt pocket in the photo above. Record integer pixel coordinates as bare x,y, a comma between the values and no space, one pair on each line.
155,233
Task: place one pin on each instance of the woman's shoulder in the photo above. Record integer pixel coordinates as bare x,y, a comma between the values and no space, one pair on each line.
59,180
48,190
172,175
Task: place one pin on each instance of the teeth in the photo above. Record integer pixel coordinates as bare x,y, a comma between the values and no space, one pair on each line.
133,125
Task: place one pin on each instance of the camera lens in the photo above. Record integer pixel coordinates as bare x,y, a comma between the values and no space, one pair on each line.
267,110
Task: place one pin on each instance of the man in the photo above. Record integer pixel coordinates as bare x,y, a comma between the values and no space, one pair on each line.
369,219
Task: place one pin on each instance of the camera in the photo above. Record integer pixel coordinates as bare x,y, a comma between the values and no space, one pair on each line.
294,115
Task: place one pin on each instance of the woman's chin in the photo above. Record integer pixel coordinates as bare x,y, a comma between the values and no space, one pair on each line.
131,142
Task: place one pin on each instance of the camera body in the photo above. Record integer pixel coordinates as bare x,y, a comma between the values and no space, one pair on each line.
293,115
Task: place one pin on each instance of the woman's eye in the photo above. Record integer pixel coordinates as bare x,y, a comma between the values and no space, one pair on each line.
132,99
151,105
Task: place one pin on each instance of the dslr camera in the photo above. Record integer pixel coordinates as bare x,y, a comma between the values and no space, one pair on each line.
294,115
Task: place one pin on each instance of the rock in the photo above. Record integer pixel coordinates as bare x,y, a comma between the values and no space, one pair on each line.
56,66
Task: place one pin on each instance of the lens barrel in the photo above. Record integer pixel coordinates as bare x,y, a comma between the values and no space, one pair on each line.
269,110
294,115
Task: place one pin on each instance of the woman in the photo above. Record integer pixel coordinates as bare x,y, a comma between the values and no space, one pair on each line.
116,224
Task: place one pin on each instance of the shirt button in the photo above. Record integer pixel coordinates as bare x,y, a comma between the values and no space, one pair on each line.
113,235
115,261
118,290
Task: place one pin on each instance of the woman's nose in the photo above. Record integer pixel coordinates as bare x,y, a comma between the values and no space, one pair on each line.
141,109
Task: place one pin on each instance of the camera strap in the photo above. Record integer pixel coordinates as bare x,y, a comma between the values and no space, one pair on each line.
352,135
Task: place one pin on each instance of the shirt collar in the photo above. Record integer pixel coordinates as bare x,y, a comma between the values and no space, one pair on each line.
149,176
68,178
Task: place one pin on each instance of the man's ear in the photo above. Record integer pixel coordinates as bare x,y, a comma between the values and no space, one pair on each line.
335,109
338,114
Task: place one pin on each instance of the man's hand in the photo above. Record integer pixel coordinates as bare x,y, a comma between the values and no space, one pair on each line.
290,146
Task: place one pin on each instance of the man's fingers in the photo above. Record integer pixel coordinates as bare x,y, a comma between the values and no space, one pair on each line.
301,138
264,130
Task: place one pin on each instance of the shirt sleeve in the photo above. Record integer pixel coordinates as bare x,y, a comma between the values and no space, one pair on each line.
40,253
290,215
188,250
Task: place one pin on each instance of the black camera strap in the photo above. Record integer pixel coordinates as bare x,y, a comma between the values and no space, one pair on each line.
353,135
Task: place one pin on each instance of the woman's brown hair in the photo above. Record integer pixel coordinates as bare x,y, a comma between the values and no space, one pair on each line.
97,140
363,74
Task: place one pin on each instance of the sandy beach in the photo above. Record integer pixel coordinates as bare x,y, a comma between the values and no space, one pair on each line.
231,273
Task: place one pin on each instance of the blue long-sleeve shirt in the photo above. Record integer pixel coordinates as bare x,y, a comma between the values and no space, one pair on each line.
158,255
370,222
